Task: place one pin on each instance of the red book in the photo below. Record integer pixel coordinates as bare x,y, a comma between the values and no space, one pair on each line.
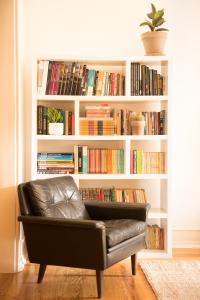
73,126
89,162
112,78
56,78
97,161
131,162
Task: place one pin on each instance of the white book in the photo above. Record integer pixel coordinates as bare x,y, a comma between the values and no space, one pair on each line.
44,77
40,70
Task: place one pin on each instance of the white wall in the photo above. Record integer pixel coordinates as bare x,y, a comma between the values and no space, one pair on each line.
110,27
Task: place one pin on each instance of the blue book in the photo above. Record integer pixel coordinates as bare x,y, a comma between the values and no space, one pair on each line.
90,83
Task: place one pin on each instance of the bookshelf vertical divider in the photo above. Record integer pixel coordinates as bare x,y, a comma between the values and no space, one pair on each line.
127,156
76,116
156,185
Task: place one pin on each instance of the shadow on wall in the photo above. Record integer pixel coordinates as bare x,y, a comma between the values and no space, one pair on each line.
8,228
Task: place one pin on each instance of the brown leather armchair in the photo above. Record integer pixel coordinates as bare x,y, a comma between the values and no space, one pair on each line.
62,230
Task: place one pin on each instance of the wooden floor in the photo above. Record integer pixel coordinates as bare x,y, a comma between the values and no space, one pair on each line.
66,283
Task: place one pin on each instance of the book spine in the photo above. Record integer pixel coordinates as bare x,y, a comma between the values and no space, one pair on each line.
44,120
51,82
80,76
39,119
90,83
70,123
49,77
75,81
85,160
131,162
40,70
44,77
80,159
61,78
56,78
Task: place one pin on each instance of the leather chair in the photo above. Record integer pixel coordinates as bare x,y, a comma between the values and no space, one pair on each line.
60,229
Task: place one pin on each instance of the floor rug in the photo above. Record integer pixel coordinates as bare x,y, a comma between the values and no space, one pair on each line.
173,280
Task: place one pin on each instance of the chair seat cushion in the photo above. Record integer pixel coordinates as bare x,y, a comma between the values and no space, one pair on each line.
118,231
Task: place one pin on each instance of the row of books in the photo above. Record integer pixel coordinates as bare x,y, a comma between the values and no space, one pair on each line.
154,237
145,81
55,163
155,122
147,162
43,123
114,195
104,122
122,123
72,78
101,161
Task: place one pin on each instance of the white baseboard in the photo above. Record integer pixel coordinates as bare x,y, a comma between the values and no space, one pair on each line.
186,238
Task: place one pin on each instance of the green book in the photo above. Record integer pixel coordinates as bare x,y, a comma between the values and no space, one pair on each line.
85,160
121,161
139,161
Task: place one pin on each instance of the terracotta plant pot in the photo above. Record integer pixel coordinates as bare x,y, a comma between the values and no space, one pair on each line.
154,42
138,127
56,128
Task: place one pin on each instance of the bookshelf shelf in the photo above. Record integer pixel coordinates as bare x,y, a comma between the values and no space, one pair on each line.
102,98
108,176
156,185
103,138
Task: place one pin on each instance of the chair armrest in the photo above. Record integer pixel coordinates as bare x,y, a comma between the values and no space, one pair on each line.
107,210
72,223
65,242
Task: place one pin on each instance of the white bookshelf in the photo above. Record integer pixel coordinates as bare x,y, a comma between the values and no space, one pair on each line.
156,185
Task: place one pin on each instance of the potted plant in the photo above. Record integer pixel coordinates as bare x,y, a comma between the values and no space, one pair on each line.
55,121
137,122
154,40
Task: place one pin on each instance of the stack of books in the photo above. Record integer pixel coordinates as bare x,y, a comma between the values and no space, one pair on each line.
145,81
55,163
98,121
114,195
147,162
99,161
72,78
154,237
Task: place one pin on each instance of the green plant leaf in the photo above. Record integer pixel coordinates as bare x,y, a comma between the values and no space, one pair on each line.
159,14
54,115
156,18
153,8
162,29
147,23
150,15
159,22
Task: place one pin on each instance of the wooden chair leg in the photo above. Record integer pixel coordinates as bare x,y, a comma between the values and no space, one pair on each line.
41,272
99,277
134,263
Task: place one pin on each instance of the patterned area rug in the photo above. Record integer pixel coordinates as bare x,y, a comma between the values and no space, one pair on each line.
173,280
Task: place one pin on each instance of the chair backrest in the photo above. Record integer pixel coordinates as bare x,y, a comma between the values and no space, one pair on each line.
55,197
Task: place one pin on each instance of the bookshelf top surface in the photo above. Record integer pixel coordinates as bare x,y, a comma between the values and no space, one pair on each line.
105,60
